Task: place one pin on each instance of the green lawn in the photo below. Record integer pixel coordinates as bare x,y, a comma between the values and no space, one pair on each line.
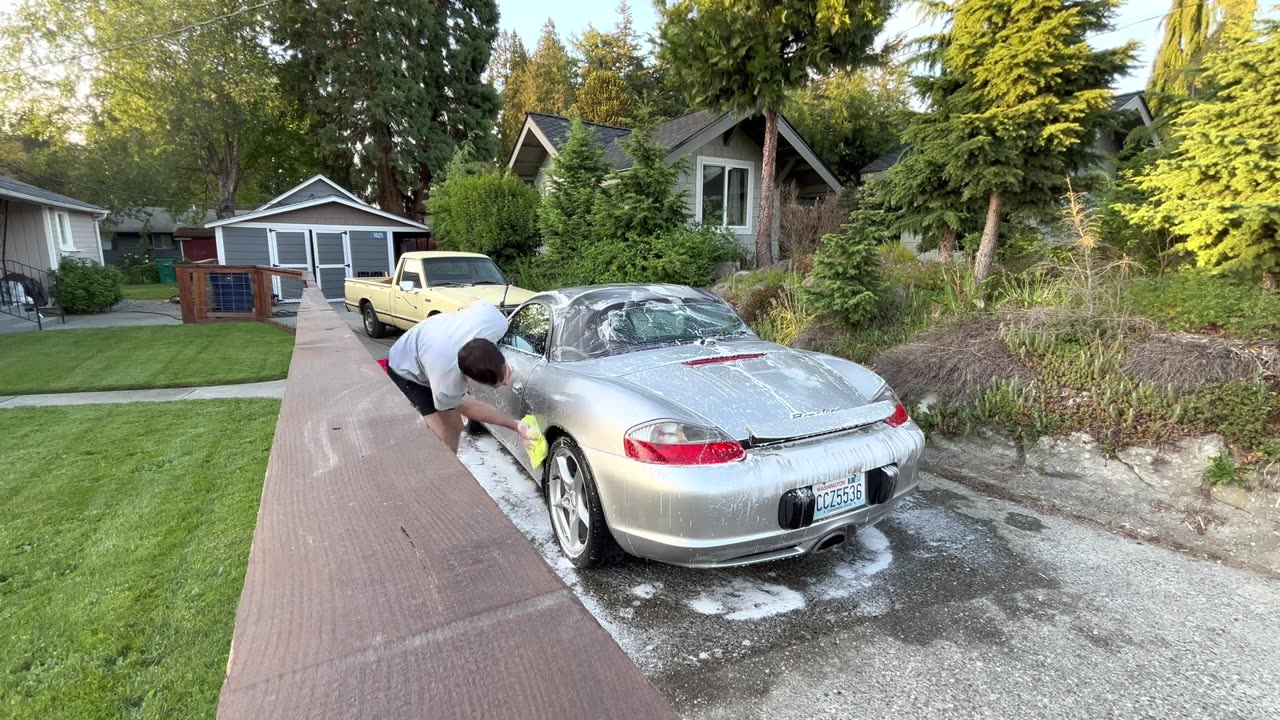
126,358
123,550
150,291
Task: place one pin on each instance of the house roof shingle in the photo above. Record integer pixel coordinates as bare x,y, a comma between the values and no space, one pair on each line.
156,220
1123,99
670,134
9,187
885,161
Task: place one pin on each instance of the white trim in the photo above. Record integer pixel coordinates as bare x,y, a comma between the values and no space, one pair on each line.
50,245
391,255
97,235
323,228
726,163
799,145
267,212
273,254
722,125
305,183
222,250
45,202
547,145
66,239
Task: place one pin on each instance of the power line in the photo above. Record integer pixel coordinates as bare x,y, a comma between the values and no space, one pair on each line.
1171,11
138,41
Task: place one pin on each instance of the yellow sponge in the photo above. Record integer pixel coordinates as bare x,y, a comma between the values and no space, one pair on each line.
537,442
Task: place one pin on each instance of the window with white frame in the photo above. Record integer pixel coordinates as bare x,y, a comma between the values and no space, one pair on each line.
724,192
62,231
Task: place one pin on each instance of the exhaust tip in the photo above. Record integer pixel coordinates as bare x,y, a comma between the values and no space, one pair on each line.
830,541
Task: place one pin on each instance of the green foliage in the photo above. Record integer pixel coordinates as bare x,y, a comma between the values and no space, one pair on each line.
848,116
895,252
393,87
138,269
84,286
642,201
494,213
573,192
1197,301
1222,470
545,84
1216,186
1189,30
680,254
604,98
506,71
788,315
616,82
846,269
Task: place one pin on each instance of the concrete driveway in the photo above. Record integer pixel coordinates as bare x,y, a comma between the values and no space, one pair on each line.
958,606
377,348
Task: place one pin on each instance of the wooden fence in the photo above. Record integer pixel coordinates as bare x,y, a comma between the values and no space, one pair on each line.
228,293
383,582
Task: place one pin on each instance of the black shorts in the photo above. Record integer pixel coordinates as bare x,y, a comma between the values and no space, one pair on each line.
419,395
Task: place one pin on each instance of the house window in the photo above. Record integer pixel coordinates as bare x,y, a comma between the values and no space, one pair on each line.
724,192
62,231
109,241
162,242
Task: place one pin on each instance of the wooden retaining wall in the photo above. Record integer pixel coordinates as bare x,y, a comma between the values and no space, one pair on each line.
383,581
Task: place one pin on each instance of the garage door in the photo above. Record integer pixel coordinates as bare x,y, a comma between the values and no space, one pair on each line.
289,250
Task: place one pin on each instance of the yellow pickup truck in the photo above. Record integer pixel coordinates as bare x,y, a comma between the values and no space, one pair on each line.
426,284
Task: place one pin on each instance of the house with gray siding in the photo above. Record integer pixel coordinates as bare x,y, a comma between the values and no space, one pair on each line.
150,230
38,230
317,226
723,153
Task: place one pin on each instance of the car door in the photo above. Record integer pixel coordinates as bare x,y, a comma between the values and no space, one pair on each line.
407,304
525,349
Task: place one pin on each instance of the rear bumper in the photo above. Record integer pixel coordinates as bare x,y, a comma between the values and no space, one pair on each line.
723,515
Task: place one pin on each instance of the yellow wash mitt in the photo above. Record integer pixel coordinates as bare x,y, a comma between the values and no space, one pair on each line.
537,442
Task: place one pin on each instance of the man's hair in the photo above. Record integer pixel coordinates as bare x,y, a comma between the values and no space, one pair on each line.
481,361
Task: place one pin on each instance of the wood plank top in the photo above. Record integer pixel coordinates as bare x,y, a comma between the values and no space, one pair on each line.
383,581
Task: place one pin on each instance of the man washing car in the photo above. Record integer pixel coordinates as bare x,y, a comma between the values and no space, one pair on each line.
432,362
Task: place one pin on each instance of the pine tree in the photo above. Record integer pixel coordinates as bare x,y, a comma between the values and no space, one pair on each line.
507,71
1189,28
642,201
566,217
614,79
1033,94
393,85
547,82
746,56
846,269
1217,188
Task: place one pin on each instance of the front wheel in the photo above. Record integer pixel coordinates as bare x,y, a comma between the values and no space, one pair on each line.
373,327
574,505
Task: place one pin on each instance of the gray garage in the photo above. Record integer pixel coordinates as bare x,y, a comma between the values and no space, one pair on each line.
317,226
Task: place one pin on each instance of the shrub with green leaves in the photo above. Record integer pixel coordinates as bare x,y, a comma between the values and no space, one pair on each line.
567,215
1195,300
846,269
491,213
84,286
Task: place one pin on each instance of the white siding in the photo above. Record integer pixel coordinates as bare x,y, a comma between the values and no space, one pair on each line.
26,241
543,169
739,147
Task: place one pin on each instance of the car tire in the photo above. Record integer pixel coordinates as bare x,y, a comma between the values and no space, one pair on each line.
594,545
373,327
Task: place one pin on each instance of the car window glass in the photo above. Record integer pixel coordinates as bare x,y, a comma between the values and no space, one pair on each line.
528,329
411,277
446,271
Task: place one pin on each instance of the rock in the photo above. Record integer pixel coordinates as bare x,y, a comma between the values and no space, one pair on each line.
724,270
1260,503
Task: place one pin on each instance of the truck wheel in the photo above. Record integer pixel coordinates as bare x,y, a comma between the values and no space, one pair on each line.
373,327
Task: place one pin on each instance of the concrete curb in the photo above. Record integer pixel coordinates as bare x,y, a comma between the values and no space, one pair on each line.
269,389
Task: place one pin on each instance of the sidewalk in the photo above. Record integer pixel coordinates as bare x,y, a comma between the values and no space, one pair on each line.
270,389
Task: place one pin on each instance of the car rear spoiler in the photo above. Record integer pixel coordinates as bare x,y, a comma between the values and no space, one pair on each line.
807,426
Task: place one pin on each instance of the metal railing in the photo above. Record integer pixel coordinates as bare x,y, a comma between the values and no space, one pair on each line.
26,292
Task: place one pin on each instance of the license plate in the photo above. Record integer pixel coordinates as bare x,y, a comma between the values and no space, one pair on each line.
839,495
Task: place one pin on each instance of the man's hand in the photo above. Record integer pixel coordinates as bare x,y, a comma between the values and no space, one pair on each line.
526,433
486,413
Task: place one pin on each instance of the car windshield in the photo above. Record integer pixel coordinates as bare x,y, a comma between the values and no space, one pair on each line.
447,271
625,326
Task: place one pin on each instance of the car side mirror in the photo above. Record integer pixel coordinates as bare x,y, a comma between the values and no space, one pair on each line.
406,285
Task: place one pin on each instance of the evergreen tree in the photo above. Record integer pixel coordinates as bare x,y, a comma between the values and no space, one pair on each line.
393,85
1217,188
605,99
746,56
846,269
507,72
1032,93
1188,31
848,116
547,82
642,201
614,78
566,217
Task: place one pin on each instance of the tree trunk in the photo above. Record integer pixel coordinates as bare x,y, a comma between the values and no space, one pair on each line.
389,196
990,234
764,233
1268,281
947,245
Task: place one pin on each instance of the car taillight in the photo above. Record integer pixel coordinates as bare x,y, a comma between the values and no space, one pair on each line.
899,416
669,442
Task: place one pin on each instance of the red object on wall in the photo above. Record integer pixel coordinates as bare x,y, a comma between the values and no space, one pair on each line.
200,249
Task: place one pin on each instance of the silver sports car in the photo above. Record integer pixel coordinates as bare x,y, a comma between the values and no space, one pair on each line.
678,435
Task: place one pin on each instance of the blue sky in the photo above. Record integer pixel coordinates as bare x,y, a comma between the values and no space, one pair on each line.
573,16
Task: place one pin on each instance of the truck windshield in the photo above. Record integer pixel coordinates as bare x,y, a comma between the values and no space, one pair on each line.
461,271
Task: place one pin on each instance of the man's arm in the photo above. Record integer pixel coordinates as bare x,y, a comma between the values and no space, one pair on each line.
490,415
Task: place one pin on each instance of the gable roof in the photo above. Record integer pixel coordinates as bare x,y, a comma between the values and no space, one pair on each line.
885,161
268,211
678,135
18,190
337,190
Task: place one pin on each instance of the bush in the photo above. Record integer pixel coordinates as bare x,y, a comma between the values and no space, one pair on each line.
84,286
139,269
802,226
1195,300
491,213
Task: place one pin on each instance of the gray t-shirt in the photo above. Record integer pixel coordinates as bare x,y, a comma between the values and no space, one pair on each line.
428,353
